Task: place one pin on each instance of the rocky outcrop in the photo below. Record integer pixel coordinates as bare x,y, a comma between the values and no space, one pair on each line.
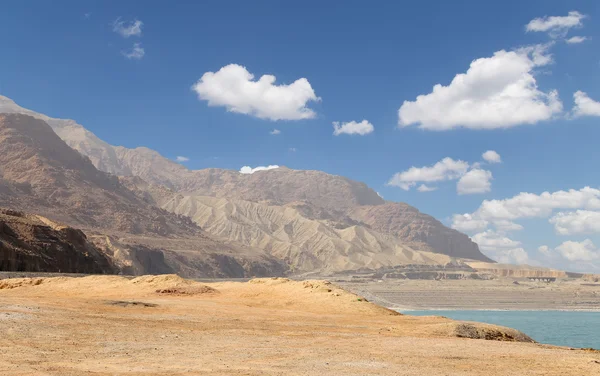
517,271
30,243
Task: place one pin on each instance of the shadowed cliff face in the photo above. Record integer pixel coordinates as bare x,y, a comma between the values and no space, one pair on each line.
32,244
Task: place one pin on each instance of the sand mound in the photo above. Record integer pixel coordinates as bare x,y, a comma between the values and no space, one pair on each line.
7,284
310,296
160,280
172,284
188,290
102,285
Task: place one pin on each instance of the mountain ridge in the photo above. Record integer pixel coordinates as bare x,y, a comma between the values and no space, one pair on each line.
334,201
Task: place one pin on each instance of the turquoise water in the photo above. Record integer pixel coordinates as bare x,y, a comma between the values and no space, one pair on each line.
562,328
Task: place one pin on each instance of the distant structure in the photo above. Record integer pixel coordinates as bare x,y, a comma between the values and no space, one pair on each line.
542,279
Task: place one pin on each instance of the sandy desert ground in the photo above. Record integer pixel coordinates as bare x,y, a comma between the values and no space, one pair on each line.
501,293
163,325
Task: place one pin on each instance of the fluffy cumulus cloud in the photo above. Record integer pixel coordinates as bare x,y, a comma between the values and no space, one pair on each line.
491,156
275,132
584,105
181,158
579,251
501,248
135,53
503,213
576,40
128,29
250,170
556,25
495,92
234,88
576,222
474,181
352,127
446,169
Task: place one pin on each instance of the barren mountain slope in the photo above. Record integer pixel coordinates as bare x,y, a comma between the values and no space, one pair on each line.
305,244
58,182
417,229
315,194
39,173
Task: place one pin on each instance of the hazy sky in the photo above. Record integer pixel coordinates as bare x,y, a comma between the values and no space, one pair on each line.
405,96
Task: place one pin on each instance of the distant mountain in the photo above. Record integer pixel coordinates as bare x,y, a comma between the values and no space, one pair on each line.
308,219
42,175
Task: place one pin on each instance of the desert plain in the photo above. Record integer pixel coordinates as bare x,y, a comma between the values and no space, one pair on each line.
165,325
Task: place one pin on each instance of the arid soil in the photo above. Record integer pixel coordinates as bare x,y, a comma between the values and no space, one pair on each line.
164,325
501,293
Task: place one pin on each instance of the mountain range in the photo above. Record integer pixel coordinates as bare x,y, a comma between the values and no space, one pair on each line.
147,212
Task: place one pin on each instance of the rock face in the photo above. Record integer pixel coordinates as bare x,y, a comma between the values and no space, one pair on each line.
30,243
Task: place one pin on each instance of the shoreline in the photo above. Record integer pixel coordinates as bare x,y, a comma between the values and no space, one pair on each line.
408,310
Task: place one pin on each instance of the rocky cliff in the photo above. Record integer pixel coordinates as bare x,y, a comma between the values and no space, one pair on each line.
30,243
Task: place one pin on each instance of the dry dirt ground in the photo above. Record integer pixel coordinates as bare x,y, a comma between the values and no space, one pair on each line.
163,325
501,293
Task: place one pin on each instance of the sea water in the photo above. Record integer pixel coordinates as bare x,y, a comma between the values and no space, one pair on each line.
562,328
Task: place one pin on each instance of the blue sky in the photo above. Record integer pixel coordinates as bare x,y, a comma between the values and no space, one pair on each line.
363,60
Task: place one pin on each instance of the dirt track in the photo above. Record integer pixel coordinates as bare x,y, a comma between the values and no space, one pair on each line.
69,326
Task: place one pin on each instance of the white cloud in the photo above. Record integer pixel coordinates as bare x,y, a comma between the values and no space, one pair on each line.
507,226
544,249
556,25
446,169
136,52
474,181
492,241
426,188
501,248
576,222
181,158
234,87
491,156
250,170
275,132
529,205
576,40
495,92
466,223
513,256
579,251
128,29
352,127
293,150
584,105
